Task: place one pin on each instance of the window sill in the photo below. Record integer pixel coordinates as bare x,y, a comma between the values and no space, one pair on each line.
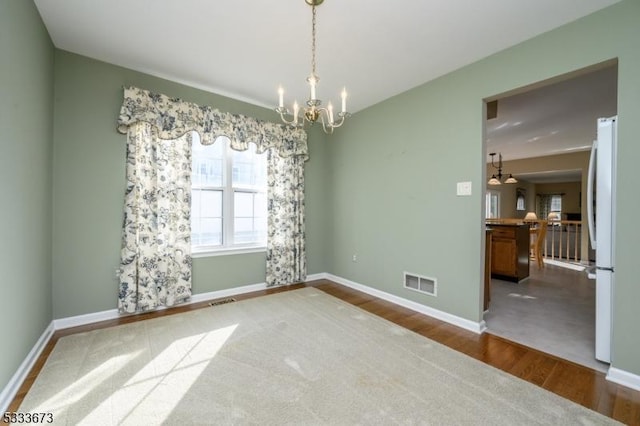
227,251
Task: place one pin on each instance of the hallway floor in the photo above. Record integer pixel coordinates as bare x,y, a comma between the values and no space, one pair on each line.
552,311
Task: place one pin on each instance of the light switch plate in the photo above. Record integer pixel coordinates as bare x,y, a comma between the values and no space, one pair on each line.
464,189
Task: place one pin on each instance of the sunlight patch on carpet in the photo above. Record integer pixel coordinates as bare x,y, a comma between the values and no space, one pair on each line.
297,357
80,388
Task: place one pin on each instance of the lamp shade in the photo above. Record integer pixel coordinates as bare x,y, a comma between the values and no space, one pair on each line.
531,216
494,180
511,179
553,216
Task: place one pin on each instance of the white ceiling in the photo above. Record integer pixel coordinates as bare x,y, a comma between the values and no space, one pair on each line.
245,49
557,118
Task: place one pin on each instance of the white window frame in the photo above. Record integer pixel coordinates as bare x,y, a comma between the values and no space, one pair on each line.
228,247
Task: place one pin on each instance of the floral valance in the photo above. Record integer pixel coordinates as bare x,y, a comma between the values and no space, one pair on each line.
174,117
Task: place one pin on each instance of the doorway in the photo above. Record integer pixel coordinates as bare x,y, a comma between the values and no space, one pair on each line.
543,134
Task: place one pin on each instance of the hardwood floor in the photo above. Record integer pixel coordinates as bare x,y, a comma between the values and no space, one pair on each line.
572,381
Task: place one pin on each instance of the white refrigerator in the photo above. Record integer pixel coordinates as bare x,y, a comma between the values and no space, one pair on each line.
601,198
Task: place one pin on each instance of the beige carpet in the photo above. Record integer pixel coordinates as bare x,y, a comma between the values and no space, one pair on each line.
298,357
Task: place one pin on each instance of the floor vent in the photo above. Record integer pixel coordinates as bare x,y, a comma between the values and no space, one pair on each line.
422,284
222,301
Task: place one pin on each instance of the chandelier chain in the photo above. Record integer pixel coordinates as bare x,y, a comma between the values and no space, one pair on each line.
313,40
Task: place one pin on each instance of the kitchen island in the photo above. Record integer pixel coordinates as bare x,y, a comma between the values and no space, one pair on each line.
510,251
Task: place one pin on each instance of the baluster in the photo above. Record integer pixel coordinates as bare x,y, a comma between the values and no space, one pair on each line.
559,226
576,242
568,228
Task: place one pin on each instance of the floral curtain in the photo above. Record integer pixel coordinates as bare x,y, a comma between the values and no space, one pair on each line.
286,256
547,203
173,118
156,246
164,124
543,205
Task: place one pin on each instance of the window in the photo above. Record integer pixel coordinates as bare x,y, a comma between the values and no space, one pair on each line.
492,207
549,206
555,210
556,204
521,195
228,197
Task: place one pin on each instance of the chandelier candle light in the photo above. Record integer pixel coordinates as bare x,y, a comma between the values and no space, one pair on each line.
313,110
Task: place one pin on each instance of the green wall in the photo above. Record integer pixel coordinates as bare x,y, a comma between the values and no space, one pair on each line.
395,168
89,181
26,123
383,187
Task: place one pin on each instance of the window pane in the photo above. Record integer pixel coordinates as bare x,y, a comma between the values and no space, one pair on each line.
261,205
211,203
249,230
243,230
243,204
206,217
249,168
207,163
260,228
250,218
195,232
210,232
492,205
556,203
195,205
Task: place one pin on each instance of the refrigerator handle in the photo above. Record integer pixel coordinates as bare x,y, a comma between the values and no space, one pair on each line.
590,182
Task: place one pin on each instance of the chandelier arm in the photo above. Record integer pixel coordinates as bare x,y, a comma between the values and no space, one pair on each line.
328,129
282,112
338,123
329,126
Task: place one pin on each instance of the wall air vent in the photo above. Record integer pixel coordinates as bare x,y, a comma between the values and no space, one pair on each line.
422,284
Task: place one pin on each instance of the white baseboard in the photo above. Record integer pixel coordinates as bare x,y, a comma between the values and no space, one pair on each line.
85,319
624,378
202,297
476,327
567,265
110,314
314,277
11,389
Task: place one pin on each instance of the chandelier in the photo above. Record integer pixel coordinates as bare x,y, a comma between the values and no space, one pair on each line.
313,111
497,179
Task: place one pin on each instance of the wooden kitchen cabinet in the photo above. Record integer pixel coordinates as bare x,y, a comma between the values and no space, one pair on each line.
510,251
